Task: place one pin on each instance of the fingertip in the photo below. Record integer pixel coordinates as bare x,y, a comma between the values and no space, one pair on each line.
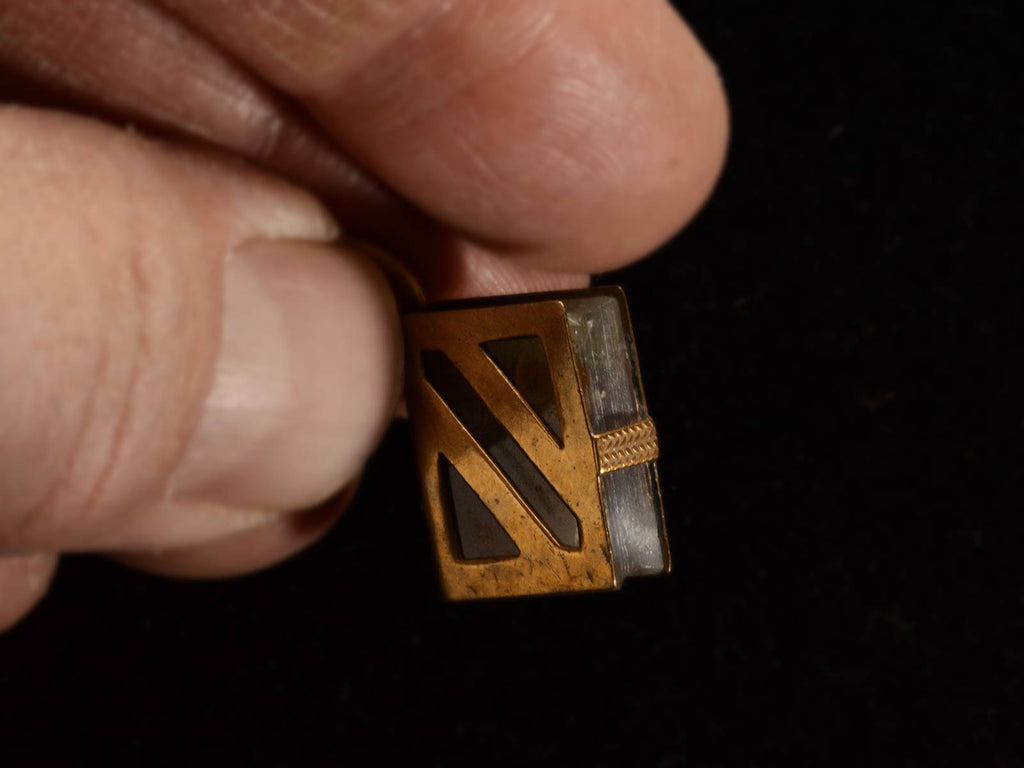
584,151
651,158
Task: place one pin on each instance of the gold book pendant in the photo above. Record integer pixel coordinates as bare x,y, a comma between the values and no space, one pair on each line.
533,444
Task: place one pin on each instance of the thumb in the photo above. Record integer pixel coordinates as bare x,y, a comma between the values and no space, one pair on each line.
183,357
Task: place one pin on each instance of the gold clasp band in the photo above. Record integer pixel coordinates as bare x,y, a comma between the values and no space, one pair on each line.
627,446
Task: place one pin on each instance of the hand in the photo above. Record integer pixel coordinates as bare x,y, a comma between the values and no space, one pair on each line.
187,360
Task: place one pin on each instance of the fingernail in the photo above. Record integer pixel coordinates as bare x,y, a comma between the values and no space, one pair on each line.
305,382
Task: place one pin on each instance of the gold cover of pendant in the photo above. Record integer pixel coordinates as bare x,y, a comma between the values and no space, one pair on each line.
533,444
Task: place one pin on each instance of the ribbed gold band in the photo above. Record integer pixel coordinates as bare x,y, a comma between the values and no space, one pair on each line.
627,447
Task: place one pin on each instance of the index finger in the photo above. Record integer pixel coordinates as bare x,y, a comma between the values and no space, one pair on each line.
576,136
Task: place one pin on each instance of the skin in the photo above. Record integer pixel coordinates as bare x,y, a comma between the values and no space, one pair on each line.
176,295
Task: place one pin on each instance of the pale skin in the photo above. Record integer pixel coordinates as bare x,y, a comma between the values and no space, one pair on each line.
191,362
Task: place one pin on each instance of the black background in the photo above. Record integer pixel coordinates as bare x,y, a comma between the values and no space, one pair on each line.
831,355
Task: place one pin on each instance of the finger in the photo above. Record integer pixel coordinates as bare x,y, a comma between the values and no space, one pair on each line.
578,135
181,358
23,583
242,552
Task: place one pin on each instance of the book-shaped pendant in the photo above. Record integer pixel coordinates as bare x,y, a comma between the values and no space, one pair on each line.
533,444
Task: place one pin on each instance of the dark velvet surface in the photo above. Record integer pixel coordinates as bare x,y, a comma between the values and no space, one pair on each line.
829,351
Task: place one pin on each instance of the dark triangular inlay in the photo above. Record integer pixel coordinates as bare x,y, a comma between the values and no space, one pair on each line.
524,362
479,534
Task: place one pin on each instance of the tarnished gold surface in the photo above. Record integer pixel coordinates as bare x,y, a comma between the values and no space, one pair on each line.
627,447
572,458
